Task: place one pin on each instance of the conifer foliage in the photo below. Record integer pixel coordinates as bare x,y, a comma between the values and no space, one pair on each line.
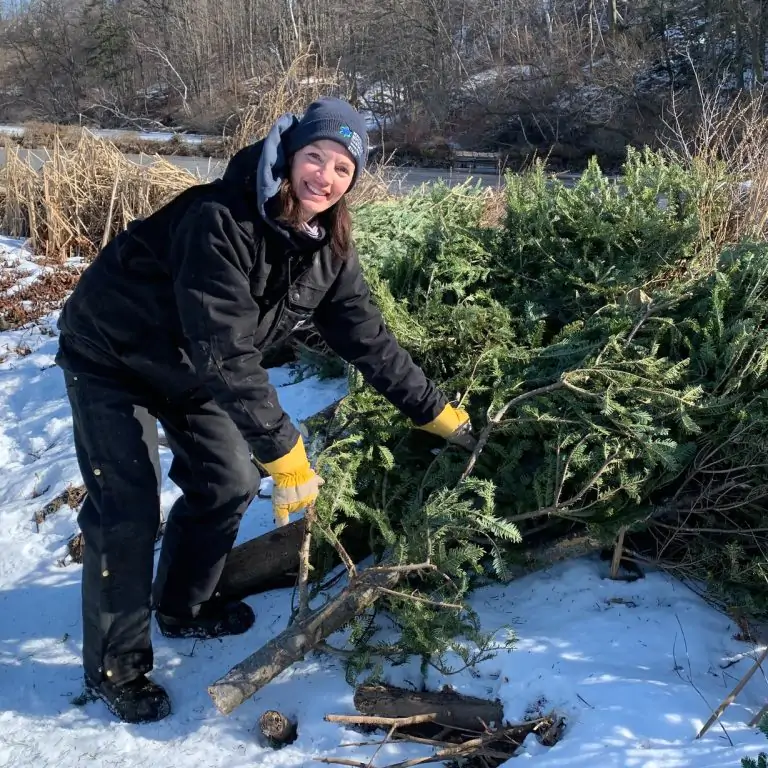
614,367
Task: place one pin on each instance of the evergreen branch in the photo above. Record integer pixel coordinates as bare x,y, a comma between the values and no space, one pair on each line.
378,651
494,421
651,310
565,468
579,513
339,547
556,508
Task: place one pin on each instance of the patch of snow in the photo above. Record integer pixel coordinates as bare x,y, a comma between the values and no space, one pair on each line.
593,101
635,668
12,130
118,133
490,77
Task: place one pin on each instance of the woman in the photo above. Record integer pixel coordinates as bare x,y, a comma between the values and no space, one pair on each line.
168,324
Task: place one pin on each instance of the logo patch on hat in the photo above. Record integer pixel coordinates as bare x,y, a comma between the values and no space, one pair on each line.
346,132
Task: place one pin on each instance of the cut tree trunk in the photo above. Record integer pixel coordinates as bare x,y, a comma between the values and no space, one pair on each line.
291,645
451,709
270,561
277,728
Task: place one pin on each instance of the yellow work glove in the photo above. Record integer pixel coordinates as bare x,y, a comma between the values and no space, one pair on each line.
295,483
454,426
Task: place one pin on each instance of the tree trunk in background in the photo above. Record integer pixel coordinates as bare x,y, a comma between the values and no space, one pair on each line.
613,16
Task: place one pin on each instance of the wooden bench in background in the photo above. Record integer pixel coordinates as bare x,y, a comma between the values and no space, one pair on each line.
482,162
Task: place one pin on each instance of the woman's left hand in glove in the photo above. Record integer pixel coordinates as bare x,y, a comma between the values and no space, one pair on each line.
453,425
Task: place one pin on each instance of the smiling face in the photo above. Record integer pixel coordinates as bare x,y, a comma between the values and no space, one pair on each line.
321,173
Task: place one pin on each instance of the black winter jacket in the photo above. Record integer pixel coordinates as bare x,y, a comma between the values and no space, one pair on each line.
187,299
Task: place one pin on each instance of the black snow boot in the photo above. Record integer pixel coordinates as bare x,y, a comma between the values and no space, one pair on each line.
215,619
137,701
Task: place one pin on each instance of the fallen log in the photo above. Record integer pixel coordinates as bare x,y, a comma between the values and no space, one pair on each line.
270,561
291,645
450,709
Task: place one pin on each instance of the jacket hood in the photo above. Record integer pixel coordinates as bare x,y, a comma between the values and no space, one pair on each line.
262,167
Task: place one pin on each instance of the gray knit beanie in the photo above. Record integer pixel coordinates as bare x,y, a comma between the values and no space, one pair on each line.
333,119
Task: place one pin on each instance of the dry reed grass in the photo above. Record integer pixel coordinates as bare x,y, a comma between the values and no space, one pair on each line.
82,196
727,151
302,81
374,184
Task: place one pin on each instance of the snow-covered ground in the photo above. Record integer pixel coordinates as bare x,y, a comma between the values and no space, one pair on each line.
635,668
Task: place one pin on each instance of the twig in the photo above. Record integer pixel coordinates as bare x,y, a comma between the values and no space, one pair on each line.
461,750
110,211
401,569
477,747
420,740
555,508
309,519
400,722
339,547
349,744
649,310
378,749
342,653
731,697
690,675
581,698
418,599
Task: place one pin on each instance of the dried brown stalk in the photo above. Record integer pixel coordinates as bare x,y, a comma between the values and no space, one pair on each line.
385,722
733,694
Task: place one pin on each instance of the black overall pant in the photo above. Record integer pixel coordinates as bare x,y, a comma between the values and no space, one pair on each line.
115,425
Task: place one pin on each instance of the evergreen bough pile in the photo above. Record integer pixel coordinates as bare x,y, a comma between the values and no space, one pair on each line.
614,365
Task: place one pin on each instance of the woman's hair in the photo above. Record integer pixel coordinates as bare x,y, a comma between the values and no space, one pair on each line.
336,219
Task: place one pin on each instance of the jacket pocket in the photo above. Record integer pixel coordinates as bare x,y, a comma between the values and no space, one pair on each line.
269,328
302,301
293,314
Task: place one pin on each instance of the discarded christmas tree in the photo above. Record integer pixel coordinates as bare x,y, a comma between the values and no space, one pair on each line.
614,365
